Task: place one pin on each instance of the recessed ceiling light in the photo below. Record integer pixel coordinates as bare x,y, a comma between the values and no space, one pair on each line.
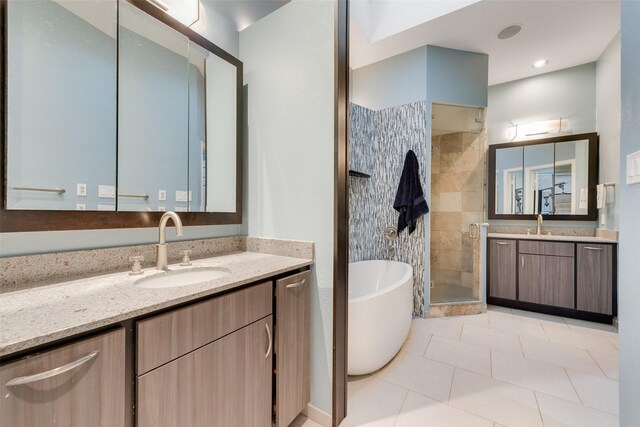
540,63
509,32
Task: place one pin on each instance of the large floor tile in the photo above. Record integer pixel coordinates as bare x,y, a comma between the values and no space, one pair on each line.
498,310
445,327
481,319
498,401
418,340
578,339
592,327
302,421
596,392
537,376
420,411
466,356
559,355
493,339
607,362
424,376
532,316
560,413
518,327
374,402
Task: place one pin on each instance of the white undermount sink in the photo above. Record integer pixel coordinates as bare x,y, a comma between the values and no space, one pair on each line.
177,278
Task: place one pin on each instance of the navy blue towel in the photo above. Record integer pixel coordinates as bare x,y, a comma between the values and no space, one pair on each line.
410,202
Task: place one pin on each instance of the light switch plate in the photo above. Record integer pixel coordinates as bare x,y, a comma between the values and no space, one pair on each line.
633,168
107,191
81,207
81,189
162,195
181,196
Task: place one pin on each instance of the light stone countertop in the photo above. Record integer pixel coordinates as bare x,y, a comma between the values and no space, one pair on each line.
581,239
39,315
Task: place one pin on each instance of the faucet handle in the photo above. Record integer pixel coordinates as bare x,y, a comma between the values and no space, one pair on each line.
136,269
185,258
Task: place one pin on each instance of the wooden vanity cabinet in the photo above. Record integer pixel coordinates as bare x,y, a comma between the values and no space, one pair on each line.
81,384
502,264
564,278
225,383
595,276
293,390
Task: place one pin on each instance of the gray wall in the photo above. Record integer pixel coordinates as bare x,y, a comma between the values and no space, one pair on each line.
629,248
608,125
289,71
396,81
58,60
569,93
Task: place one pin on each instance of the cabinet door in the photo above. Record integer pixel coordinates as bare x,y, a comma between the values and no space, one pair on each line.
80,384
595,278
502,269
546,280
225,383
292,346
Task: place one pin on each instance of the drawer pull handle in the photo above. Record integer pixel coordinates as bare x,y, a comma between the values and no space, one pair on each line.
592,248
53,372
503,243
296,285
266,325
522,261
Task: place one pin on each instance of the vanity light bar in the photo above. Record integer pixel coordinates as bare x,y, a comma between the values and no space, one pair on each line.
48,190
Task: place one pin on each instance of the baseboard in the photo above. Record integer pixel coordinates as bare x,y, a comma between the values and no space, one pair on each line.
317,415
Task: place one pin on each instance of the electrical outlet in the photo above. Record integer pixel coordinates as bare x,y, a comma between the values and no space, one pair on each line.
107,191
81,207
181,196
81,189
161,209
162,195
106,207
181,209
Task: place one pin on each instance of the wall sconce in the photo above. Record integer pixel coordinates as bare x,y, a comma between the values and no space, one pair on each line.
547,127
185,11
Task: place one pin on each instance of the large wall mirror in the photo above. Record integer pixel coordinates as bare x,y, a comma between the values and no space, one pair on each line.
112,105
554,177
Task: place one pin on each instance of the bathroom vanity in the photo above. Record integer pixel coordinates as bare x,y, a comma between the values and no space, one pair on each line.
104,351
562,275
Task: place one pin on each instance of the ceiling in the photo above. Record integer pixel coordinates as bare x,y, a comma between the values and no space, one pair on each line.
565,32
246,12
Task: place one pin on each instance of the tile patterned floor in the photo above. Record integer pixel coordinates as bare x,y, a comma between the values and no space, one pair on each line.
506,367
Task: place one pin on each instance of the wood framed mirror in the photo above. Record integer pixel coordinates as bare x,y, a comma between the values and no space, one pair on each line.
88,140
554,177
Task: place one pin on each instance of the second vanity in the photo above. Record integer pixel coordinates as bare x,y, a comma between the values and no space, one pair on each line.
572,276
109,351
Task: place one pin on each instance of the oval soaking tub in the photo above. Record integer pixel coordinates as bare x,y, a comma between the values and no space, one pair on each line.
380,310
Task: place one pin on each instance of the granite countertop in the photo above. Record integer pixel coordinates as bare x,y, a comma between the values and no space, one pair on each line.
583,239
39,315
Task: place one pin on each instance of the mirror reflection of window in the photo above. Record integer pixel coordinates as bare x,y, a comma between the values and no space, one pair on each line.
538,178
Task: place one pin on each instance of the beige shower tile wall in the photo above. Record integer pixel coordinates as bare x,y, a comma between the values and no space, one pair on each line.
457,200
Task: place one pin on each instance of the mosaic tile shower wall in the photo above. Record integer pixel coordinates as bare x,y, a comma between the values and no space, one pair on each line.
378,143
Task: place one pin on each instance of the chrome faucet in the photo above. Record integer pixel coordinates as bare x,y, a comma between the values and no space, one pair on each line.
539,231
161,260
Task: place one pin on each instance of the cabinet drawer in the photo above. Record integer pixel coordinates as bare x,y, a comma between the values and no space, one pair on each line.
545,248
88,390
168,336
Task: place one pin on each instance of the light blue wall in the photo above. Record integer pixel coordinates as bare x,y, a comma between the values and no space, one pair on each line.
57,59
629,248
453,77
608,125
457,77
396,81
568,93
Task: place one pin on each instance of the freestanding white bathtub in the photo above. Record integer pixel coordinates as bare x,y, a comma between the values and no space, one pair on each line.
380,309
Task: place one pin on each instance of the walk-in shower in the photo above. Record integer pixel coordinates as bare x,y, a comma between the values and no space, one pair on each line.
458,140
